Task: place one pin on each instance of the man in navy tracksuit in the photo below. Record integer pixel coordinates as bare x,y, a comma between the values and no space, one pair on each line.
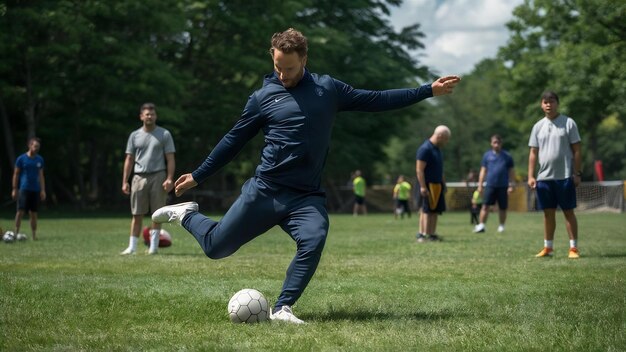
295,109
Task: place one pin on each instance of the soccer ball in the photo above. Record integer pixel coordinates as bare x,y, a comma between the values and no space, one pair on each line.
8,237
21,237
248,306
165,239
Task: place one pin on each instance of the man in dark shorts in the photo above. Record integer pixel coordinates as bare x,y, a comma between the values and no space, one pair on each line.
495,182
555,145
358,187
29,185
429,169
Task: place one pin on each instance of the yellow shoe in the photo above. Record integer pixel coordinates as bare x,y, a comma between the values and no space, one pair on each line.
573,253
545,252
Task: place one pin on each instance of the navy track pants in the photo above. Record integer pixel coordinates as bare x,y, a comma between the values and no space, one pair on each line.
260,207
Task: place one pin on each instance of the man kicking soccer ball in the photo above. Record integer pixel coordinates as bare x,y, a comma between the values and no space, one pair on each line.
295,110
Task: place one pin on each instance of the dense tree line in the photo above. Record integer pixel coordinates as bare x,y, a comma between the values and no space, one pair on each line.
75,72
578,49
574,47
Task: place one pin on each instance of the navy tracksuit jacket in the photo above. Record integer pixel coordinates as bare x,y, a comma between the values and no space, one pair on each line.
286,188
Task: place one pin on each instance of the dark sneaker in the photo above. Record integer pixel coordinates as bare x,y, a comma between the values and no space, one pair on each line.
434,238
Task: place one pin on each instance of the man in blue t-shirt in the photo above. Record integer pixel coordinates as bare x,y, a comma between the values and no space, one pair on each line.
29,185
495,182
429,169
294,110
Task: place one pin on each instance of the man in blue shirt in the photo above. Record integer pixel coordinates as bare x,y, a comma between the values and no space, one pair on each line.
429,170
295,110
495,182
29,185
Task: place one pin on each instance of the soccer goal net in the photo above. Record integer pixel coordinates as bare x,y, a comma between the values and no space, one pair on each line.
601,196
606,196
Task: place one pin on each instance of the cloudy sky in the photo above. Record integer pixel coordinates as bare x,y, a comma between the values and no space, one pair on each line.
459,33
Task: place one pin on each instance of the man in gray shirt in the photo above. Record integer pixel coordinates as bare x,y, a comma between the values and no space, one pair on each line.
150,154
555,144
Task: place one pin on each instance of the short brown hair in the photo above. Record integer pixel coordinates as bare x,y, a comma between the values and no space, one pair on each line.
290,41
147,106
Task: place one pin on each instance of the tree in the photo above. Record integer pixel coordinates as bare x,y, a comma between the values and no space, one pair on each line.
578,49
338,33
75,72
474,113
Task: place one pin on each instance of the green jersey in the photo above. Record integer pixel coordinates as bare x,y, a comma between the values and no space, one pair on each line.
477,197
403,190
359,186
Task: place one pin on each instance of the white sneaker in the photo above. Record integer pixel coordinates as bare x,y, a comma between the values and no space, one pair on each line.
285,314
128,251
479,228
501,228
170,213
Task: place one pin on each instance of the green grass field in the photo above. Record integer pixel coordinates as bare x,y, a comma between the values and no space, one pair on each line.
376,289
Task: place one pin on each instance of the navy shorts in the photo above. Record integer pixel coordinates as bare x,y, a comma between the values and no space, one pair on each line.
359,200
437,197
28,201
553,193
499,194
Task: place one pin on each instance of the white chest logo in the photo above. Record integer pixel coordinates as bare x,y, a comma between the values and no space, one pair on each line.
276,100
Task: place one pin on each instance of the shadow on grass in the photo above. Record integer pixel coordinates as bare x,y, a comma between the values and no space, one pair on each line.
364,315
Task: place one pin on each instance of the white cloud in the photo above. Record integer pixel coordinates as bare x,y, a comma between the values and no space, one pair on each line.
474,14
459,33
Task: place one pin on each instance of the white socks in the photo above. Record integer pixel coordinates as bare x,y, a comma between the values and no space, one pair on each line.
132,243
572,243
154,240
